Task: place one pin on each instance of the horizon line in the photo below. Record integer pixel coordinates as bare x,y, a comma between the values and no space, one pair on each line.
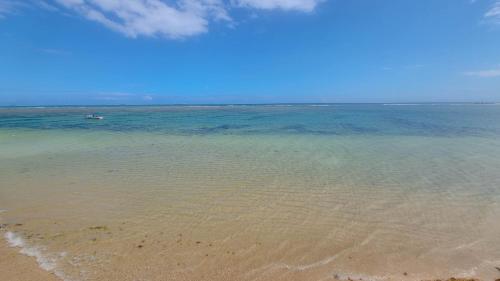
255,104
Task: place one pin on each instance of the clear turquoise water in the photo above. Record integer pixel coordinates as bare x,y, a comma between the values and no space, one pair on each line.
440,120
281,192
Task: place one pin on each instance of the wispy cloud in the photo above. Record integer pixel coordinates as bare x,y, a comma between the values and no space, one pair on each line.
123,97
8,7
150,17
179,19
484,73
297,5
45,5
172,19
4,9
147,98
493,14
114,96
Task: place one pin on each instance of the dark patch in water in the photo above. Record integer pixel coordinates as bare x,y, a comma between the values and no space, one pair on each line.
340,129
218,129
427,128
351,128
301,129
259,117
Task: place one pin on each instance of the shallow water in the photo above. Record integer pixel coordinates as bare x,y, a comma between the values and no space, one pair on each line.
283,192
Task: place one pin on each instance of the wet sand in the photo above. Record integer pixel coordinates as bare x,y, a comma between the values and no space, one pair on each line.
17,267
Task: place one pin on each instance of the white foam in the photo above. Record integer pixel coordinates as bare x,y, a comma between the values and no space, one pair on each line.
322,262
45,262
302,267
342,276
14,240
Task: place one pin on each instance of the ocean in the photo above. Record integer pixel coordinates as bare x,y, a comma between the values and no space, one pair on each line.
254,192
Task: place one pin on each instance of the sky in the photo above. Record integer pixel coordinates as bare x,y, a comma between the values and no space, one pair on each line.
64,52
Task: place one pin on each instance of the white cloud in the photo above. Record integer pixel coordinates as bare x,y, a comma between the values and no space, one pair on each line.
484,73
493,14
114,96
46,6
297,5
9,7
122,97
150,17
5,7
173,19
156,18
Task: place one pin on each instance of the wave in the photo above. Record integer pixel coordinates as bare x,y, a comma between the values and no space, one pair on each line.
303,267
45,262
341,276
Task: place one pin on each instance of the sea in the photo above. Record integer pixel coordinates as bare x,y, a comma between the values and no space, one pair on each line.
254,192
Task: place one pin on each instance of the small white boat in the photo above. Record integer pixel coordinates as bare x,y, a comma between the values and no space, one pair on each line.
94,117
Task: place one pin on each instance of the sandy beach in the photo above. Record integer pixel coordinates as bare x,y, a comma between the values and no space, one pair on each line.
15,266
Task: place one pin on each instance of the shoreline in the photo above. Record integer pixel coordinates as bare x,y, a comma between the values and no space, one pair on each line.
16,266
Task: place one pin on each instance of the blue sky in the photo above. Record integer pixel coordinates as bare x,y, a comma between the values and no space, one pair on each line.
248,51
